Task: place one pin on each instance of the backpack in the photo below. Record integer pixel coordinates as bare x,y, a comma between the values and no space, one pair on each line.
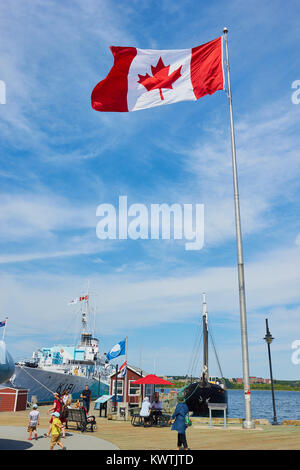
64,412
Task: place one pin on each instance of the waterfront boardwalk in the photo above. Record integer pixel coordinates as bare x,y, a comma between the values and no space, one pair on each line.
111,434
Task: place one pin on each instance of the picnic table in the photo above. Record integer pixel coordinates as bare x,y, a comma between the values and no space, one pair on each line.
137,420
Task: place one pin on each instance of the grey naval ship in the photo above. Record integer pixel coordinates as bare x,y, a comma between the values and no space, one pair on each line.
60,367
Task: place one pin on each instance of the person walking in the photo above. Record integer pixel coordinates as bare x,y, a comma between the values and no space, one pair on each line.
86,398
63,416
179,424
56,431
64,411
56,408
34,421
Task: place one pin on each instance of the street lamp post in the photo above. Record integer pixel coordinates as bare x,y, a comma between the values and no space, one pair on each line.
269,338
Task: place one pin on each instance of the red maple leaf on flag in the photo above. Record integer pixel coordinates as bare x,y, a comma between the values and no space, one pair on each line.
160,79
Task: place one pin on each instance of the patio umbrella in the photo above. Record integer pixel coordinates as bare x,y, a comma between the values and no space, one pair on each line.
152,379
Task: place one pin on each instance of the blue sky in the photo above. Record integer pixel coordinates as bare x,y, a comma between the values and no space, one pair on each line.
60,159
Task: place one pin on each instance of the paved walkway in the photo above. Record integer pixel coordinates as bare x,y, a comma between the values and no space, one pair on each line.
16,438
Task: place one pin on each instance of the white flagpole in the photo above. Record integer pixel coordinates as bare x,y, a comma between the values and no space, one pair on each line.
125,378
248,422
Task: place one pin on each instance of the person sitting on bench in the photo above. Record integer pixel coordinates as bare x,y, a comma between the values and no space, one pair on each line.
145,410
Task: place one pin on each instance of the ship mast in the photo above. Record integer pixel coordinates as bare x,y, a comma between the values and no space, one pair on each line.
84,317
205,374
85,335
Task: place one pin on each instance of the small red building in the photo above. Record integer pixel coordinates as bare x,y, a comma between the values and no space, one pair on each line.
134,393
13,399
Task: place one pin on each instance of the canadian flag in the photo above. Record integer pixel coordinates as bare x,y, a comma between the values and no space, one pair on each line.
142,78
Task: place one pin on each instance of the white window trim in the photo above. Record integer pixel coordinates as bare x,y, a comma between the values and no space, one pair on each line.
114,387
134,394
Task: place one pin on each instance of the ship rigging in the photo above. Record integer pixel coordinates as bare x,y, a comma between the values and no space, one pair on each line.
198,393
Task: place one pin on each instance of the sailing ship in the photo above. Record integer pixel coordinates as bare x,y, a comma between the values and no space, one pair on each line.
197,394
60,367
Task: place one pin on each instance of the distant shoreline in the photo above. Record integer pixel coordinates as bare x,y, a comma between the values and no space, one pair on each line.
279,385
252,387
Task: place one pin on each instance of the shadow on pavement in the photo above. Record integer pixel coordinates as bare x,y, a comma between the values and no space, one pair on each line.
10,444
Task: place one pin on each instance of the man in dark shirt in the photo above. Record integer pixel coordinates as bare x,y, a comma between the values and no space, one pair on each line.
156,408
86,398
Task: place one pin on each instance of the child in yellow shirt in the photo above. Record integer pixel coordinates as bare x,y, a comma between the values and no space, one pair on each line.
55,432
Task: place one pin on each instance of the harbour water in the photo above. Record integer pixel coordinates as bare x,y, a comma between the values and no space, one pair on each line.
287,404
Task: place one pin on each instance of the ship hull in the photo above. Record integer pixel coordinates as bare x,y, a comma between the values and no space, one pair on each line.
197,395
43,383
7,365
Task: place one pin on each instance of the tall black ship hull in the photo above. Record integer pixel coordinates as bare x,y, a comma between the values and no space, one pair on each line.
198,394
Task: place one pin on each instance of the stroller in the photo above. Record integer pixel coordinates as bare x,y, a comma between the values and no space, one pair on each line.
90,421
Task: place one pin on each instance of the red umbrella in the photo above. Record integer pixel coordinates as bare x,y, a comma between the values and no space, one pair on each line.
152,379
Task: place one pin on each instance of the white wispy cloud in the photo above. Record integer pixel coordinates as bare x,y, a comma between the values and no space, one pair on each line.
38,215
268,167
125,302
271,280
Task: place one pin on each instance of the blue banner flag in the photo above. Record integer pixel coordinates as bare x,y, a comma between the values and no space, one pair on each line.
2,323
117,350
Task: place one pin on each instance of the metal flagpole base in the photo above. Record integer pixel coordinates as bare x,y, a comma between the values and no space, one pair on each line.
248,424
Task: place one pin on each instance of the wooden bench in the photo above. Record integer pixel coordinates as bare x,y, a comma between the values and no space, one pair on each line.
79,417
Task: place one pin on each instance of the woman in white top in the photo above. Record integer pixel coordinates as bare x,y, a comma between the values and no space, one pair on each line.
145,410
66,398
